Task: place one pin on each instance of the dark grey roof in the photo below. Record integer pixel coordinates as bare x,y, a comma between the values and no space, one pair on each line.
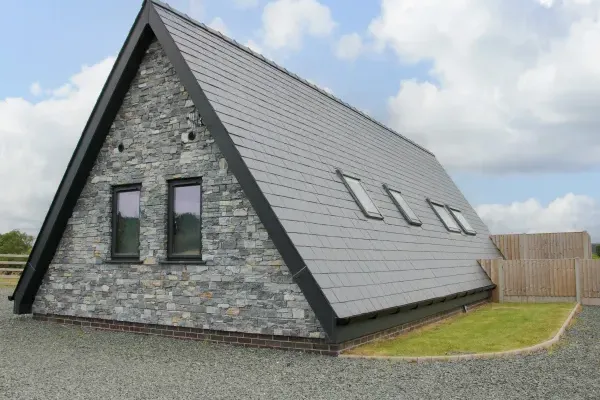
293,136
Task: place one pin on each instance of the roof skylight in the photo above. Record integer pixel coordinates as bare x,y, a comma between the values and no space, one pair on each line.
360,195
444,216
462,221
403,206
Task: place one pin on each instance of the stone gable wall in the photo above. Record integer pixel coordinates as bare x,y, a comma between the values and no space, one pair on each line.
244,286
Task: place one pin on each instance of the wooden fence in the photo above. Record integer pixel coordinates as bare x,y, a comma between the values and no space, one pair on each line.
10,270
544,245
545,281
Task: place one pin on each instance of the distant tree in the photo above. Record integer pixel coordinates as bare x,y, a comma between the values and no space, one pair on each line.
597,249
15,242
187,236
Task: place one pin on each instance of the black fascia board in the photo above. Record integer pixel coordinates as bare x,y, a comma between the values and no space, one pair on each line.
433,203
82,160
367,213
408,313
451,211
411,221
301,274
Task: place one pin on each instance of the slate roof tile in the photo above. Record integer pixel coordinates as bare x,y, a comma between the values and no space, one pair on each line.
292,137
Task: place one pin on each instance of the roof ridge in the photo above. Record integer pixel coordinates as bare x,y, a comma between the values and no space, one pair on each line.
283,69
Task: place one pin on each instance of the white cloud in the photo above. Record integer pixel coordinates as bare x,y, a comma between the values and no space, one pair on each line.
246,3
62,91
286,22
564,214
349,47
36,89
252,45
546,3
218,25
196,9
36,143
514,86
325,88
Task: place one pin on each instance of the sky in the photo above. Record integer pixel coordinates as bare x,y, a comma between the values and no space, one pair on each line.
505,93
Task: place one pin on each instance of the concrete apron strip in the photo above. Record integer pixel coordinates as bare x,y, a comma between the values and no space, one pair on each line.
499,354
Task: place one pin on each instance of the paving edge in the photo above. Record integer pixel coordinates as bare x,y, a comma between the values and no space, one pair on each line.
500,354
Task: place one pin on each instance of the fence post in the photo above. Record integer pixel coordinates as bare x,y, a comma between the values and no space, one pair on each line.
501,282
497,277
578,280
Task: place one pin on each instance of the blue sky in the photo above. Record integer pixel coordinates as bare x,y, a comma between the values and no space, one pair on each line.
501,163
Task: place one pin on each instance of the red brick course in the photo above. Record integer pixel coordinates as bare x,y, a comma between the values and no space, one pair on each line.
319,346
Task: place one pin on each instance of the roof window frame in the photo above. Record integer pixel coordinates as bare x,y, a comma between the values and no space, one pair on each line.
343,175
408,219
114,234
452,210
434,203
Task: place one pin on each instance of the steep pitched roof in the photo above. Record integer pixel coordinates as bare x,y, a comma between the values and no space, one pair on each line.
283,139
293,136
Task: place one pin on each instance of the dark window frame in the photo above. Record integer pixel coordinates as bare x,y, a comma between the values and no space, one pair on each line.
366,212
452,210
439,204
172,184
408,219
133,187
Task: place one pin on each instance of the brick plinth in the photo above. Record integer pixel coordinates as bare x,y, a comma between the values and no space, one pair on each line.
319,346
312,345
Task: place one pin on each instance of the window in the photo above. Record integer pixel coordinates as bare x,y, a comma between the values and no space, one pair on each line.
462,221
444,215
403,206
126,222
360,195
184,219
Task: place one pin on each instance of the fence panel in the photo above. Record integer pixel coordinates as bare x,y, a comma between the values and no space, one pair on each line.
10,270
590,285
547,280
563,245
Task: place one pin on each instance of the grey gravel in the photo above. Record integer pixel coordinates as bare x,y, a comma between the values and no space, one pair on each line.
41,360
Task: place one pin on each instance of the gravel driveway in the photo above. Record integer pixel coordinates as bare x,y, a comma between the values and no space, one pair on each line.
47,361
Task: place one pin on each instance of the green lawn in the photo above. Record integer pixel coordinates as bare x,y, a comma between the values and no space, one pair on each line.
493,327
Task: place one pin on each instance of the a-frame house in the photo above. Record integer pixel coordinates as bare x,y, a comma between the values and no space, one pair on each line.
215,195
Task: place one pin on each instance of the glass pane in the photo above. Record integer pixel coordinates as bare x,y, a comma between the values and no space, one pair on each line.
128,222
463,221
404,205
446,217
362,195
187,203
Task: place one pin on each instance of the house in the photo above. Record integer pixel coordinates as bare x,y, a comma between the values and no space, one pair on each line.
215,195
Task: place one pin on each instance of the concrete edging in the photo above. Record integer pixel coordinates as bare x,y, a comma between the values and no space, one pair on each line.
526,350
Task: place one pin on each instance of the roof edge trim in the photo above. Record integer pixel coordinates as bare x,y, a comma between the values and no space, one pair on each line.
82,160
419,311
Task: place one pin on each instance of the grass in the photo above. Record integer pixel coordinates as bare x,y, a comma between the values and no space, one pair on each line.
595,256
491,328
8,283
